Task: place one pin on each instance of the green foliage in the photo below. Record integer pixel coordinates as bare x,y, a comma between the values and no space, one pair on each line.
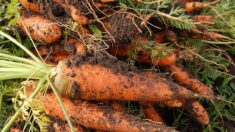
9,11
175,17
209,64
156,50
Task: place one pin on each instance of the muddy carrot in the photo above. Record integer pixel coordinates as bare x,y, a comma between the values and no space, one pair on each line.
40,29
100,118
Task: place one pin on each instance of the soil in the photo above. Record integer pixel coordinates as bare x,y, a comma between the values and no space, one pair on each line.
124,28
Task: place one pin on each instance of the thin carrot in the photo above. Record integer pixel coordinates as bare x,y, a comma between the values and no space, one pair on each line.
40,29
93,116
192,6
184,78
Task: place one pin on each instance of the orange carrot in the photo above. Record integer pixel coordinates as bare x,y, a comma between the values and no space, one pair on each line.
143,54
30,5
194,108
40,29
192,6
197,112
151,113
194,84
75,13
165,36
86,77
203,19
93,116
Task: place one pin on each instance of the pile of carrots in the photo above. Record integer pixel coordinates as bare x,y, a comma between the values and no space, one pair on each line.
91,83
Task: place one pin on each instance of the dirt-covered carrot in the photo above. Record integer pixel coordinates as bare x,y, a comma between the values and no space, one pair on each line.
40,29
86,77
30,5
194,108
183,77
100,118
203,19
117,106
151,113
197,112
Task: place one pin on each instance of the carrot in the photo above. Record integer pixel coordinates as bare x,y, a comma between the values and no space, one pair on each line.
75,13
40,29
197,112
30,5
194,108
85,77
143,54
203,19
192,6
194,84
56,125
151,113
100,118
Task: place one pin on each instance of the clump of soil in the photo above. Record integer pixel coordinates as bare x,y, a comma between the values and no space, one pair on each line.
124,27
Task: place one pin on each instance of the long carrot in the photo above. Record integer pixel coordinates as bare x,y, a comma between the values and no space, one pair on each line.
100,118
40,29
184,78
86,78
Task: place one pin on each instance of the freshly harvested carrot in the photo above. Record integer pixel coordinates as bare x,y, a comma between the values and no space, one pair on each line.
40,29
30,5
197,112
151,113
194,108
100,118
192,6
203,19
184,78
86,77
143,54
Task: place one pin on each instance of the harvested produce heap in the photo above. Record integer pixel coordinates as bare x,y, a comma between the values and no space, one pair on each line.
84,44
